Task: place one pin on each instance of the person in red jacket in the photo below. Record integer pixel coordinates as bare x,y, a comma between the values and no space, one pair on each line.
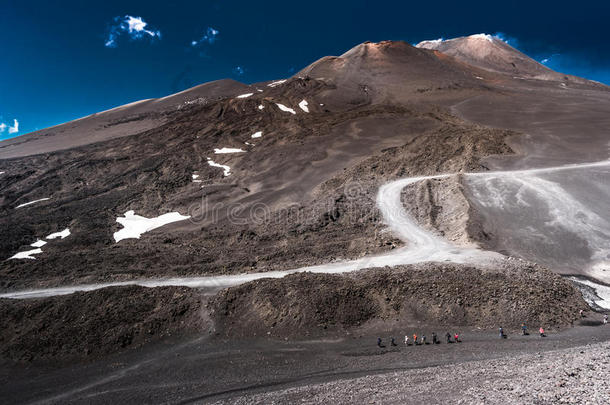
541,330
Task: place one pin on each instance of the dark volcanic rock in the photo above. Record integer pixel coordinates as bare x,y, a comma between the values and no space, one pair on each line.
96,323
429,294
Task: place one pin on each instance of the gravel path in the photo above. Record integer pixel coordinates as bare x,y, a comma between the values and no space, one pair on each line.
577,375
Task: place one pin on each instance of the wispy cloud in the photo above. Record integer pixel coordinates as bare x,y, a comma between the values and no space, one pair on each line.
238,70
11,129
546,60
209,37
134,27
512,41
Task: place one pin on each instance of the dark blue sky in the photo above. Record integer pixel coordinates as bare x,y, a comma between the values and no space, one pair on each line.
56,66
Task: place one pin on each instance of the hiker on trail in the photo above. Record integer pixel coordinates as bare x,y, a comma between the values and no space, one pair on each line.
407,340
541,330
502,335
523,329
582,313
393,341
605,319
434,338
379,342
423,340
415,342
457,338
448,336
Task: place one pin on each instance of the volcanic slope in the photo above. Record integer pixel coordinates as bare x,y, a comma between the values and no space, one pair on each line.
560,219
491,53
117,122
301,192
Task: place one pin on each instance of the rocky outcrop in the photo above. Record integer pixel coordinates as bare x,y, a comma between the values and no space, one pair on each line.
431,294
92,324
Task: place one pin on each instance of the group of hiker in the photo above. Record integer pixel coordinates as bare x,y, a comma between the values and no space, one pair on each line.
455,338
416,340
524,331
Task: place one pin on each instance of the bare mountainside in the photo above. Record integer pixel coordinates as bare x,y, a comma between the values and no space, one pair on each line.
490,53
434,173
307,156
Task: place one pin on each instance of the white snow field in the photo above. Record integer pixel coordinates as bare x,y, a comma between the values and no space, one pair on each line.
277,83
61,234
27,254
38,244
284,108
257,134
303,105
135,225
602,292
245,95
422,245
31,202
227,150
226,169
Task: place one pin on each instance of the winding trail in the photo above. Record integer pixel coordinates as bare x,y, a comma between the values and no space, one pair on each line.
422,245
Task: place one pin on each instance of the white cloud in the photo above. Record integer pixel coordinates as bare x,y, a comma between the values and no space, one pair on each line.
238,70
209,37
11,129
134,27
15,128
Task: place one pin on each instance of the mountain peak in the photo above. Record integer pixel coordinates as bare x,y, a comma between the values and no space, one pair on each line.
491,53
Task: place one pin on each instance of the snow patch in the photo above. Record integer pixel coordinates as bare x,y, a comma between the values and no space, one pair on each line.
602,293
38,244
195,178
303,105
486,37
63,234
228,150
135,225
31,202
277,83
27,254
257,134
227,169
284,108
245,95
260,107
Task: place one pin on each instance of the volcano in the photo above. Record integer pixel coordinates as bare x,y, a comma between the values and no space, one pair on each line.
378,112
466,181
